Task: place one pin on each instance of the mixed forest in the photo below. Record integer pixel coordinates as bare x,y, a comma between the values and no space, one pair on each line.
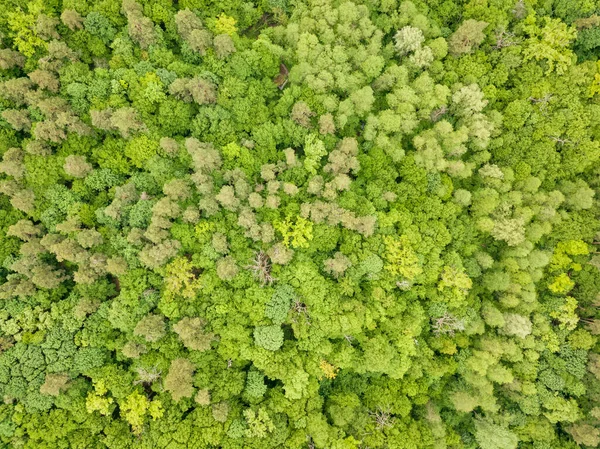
299,224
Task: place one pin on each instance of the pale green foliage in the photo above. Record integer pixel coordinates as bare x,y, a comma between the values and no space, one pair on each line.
463,401
89,238
178,381
518,325
72,19
578,195
259,423
492,436
314,150
202,397
12,163
124,120
154,256
255,384
301,114
467,36
140,28
408,39
220,411
585,434
280,254
54,384
422,57
462,197
17,118
468,100
151,327
133,350
219,243
227,268
268,337
511,230
224,45
277,308
77,166
191,331
337,265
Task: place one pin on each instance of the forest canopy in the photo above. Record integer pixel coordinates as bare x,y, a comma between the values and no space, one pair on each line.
309,224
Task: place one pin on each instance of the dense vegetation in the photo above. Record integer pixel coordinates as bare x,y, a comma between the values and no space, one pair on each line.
317,224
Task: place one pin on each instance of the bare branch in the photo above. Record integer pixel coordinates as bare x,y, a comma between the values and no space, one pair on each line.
447,324
383,418
261,268
504,39
545,99
436,114
147,376
300,309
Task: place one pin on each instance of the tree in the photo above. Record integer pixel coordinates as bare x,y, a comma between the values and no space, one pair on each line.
255,384
23,30
154,256
259,423
268,337
549,43
493,436
585,434
202,397
77,166
99,25
191,29
278,307
151,327
401,258
518,325
10,58
468,35
178,381
578,195
337,265
12,163
124,120
133,350
408,39
89,238
301,114
191,332
45,79
199,90
314,149
17,118
135,408
54,384
140,28
468,101
72,19
220,411
227,268
224,45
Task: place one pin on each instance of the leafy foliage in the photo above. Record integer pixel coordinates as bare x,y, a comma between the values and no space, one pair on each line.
311,224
